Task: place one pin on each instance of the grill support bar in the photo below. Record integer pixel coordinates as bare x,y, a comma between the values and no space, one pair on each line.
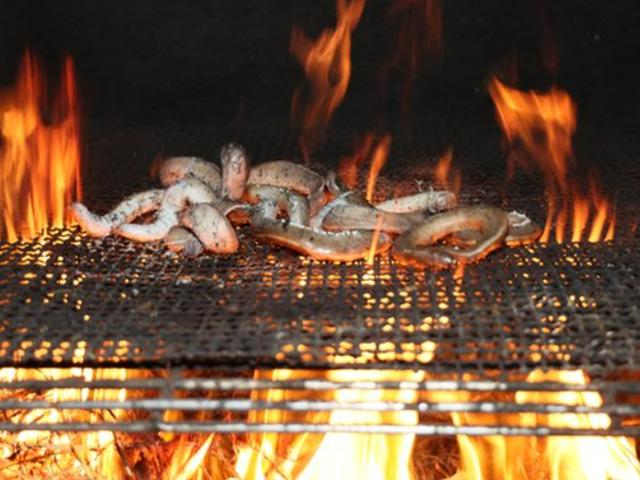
175,392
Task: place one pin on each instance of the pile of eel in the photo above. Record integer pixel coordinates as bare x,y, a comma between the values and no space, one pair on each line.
287,204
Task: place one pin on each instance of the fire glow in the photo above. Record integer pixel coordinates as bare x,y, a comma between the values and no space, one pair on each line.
100,454
41,167
39,162
553,457
538,129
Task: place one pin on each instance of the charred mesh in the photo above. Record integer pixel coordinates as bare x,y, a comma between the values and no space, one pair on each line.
567,306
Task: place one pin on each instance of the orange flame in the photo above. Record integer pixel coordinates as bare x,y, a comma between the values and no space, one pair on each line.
373,148
371,456
445,174
378,159
94,452
186,460
538,129
348,169
40,163
586,457
555,458
327,65
269,455
335,455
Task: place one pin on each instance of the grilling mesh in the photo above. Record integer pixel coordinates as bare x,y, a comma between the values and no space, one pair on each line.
68,299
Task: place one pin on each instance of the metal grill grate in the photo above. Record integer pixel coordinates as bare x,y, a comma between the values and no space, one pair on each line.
68,299
202,402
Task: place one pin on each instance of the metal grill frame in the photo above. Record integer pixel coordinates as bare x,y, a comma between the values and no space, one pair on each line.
609,272
162,395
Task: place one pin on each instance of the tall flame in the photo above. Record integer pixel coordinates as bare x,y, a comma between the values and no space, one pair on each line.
270,455
187,460
371,456
327,65
334,455
39,163
378,159
538,129
584,457
553,457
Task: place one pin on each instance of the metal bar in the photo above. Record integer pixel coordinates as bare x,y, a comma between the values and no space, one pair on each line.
226,384
240,427
239,405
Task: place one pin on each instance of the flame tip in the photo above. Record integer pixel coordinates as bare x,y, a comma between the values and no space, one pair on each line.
538,130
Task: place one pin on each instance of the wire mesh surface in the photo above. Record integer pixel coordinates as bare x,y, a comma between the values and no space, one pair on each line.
68,299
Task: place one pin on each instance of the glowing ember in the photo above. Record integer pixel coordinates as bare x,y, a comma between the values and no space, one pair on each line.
538,129
327,65
39,163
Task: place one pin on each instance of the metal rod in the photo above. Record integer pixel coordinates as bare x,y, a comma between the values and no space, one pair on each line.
230,384
239,427
242,405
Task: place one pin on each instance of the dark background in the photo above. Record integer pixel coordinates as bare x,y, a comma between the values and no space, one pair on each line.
206,61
